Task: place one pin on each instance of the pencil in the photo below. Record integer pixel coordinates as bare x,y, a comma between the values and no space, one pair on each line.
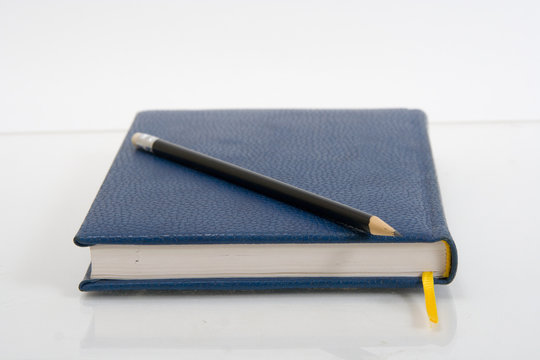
305,200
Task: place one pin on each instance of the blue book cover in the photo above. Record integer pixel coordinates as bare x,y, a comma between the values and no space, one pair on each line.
378,161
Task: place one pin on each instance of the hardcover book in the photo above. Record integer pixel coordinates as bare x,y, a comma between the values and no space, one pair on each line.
155,224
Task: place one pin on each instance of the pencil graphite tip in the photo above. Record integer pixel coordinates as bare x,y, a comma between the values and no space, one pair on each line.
396,233
379,227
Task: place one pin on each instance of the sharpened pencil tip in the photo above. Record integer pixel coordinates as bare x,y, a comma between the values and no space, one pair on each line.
379,227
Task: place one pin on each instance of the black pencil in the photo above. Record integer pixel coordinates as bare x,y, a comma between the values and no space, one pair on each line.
268,186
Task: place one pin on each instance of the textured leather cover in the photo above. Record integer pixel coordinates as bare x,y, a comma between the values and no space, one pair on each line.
378,161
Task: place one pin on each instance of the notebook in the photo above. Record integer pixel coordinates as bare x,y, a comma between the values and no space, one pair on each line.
155,224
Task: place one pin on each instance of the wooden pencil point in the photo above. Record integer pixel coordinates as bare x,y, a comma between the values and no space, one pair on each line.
379,227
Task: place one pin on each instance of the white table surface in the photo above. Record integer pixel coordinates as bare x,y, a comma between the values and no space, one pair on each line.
489,175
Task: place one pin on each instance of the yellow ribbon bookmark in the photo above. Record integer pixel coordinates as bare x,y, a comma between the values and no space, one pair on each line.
429,294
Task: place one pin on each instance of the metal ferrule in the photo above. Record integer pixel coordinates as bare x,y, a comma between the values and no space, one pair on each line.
143,141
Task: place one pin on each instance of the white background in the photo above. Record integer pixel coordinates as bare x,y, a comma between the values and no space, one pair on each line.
82,65
74,73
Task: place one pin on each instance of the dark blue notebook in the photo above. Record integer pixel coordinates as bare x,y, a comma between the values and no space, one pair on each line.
378,161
